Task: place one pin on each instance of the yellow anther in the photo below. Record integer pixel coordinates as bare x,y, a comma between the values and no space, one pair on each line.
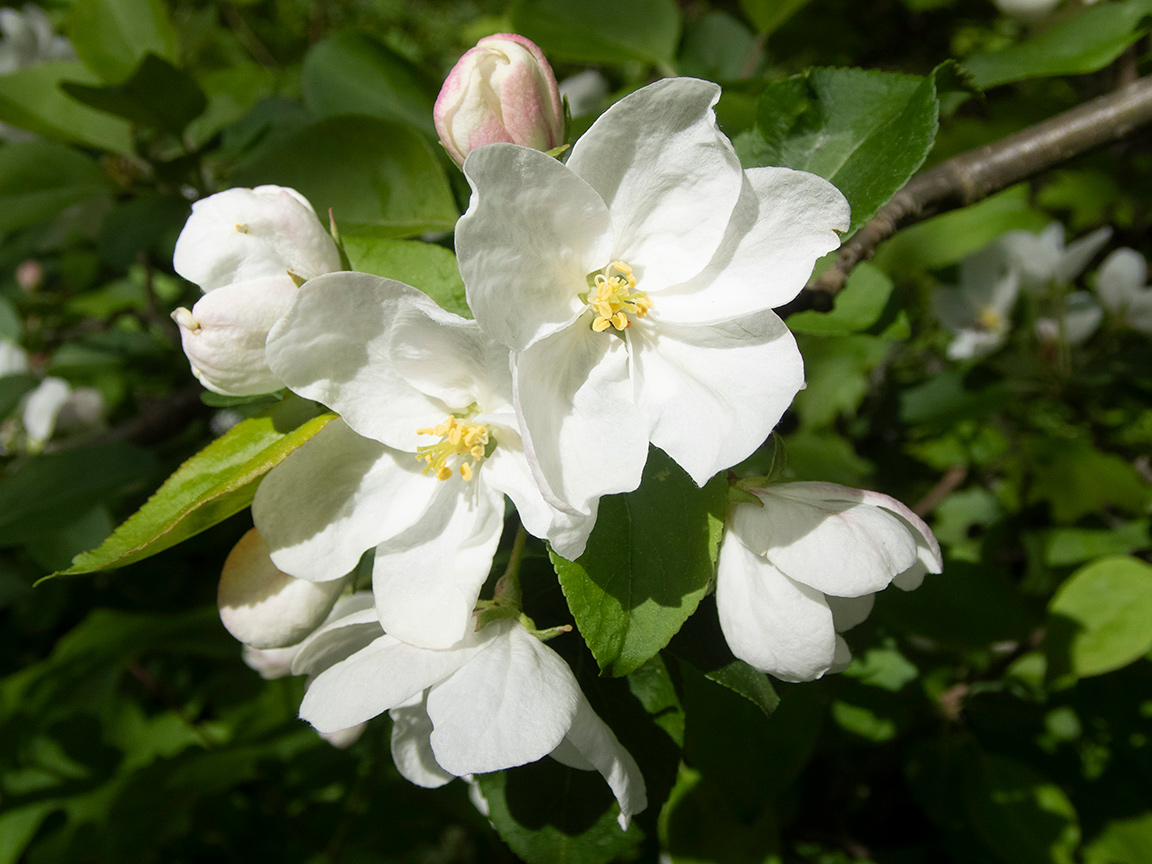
990,319
613,297
460,439
242,227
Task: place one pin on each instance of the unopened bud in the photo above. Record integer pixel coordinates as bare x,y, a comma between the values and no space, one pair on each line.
503,90
29,275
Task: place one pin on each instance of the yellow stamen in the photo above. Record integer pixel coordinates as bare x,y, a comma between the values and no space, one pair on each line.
613,297
990,319
459,440
242,227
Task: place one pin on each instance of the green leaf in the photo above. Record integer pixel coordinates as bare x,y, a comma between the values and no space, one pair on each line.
231,93
216,483
380,178
866,132
612,32
156,95
1101,618
856,308
13,388
1065,546
1123,841
1078,480
1085,43
38,179
32,99
648,563
768,15
719,48
354,74
112,36
430,268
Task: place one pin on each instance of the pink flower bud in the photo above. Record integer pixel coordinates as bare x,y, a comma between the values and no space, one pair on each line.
501,90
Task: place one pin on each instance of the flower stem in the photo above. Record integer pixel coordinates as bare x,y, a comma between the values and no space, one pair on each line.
508,586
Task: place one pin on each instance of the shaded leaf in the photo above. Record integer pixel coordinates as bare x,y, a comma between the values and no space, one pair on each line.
112,36
156,95
611,32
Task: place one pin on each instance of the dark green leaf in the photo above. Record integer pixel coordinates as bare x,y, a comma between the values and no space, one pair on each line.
354,74
866,132
648,563
611,32
112,36
1085,43
719,48
379,178
13,388
32,99
1101,618
768,15
38,179
856,308
156,95
430,268
214,484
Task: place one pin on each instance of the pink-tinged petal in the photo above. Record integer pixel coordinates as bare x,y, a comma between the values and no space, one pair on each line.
333,347
582,432
335,497
711,395
512,704
381,676
532,234
772,623
412,746
834,546
782,223
670,178
427,580
599,748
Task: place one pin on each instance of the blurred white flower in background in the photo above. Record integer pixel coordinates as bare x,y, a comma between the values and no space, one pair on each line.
1122,286
1079,319
1042,260
978,311
1029,11
585,92
30,39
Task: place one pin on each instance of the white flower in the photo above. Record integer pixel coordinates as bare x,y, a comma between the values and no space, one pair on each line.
585,92
1080,317
498,698
13,358
55,408
419,464
1122,286
246,249
979,310
1027,10
265,607
1042,259
29,39
807,540
634,286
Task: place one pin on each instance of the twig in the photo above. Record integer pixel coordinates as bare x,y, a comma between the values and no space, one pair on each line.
161,420
948,484
971,176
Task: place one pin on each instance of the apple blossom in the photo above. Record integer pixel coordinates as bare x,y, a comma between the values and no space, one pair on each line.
634,287
498,698
247,249
1027,10
29,39
805,555
1043,260
1077,321
979,310
419,463
501,90
1121,284
56,408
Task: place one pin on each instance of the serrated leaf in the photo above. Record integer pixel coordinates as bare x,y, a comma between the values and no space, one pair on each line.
1086,43
1101,618
430,268
866,132
611,32
216,483
647,565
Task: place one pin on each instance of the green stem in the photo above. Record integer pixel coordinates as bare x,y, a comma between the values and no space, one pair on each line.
508,586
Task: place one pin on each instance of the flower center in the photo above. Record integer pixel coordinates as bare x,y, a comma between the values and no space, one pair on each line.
612,295
991,320
462,447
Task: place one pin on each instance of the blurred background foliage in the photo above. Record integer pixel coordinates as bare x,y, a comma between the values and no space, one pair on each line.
999,713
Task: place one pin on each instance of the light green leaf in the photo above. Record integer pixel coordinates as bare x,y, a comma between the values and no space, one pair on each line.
32,99
38,179
380,178
1065,546
856,308
1101,618
1123,841
1078,480
354,74
428,267
768,15
612,32
1083,44
648,564
231,93
112,36
216,483
866,132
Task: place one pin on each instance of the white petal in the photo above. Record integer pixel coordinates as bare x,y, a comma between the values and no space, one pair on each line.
533,232
710,395
847,612
42,407
770,622
582,431
1121,277
1078,254
975,343
599,747
428,579
272,663
512,704
13,358
782,223
843,655
335,497
1081,317
412,749
333,347
338,640
243,234
670,178
834,546
381,676
264,607
1139,313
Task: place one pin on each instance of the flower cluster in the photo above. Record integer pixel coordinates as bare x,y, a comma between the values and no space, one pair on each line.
622,298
